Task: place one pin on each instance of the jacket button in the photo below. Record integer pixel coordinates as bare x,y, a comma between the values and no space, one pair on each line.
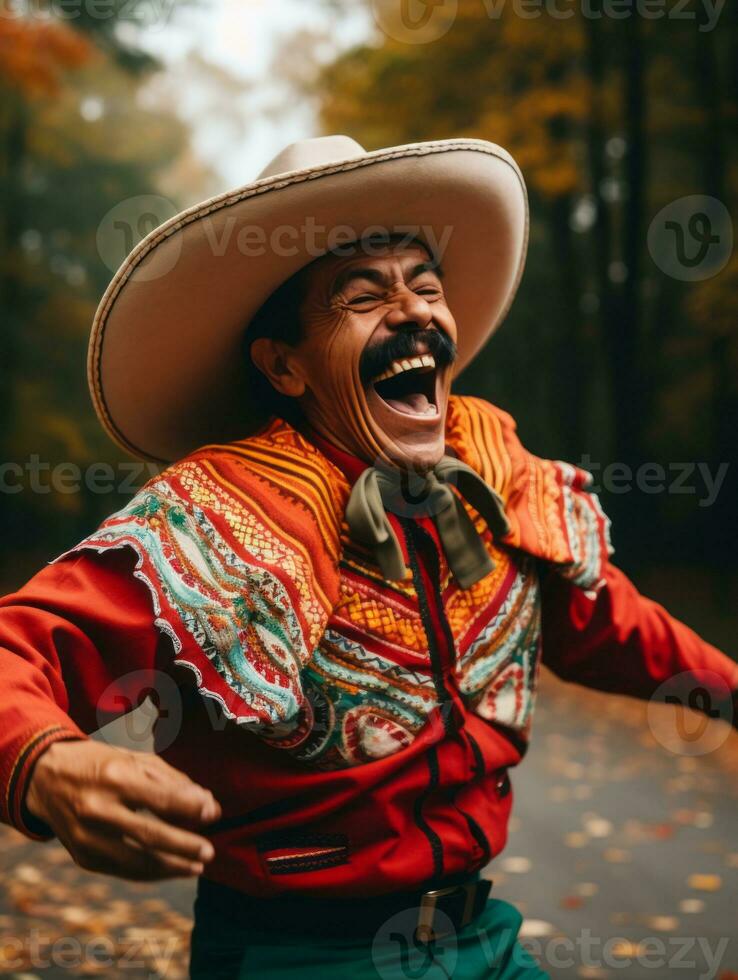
502,783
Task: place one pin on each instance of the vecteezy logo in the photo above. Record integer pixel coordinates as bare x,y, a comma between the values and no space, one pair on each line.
399,953
696,700
691,239
128,223
406,13
125,694
700,230
151,14
415,21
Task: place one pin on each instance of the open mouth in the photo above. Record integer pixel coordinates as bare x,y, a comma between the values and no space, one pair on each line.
409,385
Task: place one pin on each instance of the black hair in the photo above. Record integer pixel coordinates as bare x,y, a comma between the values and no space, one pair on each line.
279,319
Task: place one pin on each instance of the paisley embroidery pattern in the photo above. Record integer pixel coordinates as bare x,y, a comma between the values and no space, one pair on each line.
586,525
500,669
239,615
374,696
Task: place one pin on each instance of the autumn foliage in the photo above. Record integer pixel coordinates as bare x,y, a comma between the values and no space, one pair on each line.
34,54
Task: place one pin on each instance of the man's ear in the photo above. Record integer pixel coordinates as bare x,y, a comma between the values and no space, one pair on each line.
275,359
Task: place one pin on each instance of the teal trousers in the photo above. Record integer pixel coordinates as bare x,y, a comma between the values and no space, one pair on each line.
487,949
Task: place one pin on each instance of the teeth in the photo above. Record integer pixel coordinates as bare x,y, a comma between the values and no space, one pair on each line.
397,367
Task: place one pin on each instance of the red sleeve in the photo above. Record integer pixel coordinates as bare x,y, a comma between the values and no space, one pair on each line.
622,642
77,648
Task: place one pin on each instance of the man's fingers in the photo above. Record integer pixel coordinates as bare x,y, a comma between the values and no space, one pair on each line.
151,833
175,803
167,792
162,863
124,858
96,793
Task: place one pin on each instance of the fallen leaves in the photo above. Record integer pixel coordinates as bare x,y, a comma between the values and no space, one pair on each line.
597,826
536,929
570,902
586,888
662,923
625,948
694,818
659,819
57,915
705,882
516,865
691,906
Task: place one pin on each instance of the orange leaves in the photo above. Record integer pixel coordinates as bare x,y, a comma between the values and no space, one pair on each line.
35,53
516,81
57,915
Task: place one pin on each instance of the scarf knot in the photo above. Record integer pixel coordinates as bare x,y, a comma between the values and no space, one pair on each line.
410,494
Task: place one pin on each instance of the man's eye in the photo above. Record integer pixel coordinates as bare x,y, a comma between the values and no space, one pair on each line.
428,291
364,298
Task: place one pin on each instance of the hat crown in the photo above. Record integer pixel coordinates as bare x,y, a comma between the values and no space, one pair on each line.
315,152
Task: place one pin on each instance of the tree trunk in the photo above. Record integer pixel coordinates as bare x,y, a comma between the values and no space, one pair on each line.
11,215
625,337
596,139
569,383
724,397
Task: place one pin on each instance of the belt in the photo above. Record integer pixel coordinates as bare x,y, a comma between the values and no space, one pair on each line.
430,914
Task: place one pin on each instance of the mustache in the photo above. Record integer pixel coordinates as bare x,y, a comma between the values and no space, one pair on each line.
377,358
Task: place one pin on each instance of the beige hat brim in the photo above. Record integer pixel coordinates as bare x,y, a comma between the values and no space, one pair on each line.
165,363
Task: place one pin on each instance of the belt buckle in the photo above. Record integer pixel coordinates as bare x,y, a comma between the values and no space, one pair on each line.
425,931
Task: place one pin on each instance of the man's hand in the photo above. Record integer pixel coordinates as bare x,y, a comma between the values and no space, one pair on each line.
92,796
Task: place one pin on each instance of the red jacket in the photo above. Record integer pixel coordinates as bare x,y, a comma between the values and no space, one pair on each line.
382,762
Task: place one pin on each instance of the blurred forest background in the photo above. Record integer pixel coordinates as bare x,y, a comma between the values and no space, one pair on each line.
603,356
612,352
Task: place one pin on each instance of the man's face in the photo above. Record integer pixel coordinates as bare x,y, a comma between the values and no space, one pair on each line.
378,344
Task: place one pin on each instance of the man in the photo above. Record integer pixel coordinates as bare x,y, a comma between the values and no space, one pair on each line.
353,594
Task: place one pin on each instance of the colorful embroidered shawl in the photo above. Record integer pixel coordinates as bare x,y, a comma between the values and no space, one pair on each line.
239,545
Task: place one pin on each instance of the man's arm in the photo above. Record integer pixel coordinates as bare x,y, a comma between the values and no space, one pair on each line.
622,642
78,647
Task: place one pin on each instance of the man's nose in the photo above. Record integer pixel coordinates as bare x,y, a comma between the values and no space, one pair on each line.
408,310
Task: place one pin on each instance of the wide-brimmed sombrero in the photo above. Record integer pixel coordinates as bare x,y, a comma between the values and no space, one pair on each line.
166,364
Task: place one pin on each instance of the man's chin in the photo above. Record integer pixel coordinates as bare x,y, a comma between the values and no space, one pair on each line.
410,439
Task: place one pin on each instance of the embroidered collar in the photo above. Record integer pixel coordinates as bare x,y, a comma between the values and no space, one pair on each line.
239,546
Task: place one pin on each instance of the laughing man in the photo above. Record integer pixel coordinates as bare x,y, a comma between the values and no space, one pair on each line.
339,594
